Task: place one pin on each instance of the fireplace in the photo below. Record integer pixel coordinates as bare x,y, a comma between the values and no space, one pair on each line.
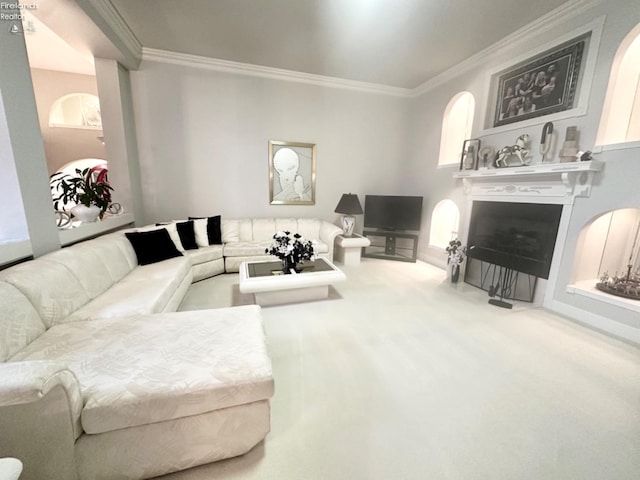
520,236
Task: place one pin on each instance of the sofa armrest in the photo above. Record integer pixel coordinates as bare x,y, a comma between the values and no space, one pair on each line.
328,233
40,405
30,381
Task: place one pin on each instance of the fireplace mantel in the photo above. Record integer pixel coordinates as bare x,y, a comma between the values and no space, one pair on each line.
556,182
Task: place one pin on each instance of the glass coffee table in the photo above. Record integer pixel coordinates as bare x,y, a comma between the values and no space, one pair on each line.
271,286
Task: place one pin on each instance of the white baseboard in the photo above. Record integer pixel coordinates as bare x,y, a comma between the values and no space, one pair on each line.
597,322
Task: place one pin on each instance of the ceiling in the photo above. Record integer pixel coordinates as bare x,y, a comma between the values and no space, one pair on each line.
399,43
396,43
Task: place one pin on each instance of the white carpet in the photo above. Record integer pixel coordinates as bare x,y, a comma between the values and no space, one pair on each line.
400,375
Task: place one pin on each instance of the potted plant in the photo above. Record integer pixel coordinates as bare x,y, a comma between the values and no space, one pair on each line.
457,254
90,196
291,250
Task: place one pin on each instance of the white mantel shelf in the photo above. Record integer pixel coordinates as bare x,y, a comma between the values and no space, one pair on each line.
558,180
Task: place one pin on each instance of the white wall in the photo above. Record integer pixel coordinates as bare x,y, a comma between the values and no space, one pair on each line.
203,138
616,187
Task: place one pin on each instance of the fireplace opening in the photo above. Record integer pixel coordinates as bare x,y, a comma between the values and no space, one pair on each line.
517,236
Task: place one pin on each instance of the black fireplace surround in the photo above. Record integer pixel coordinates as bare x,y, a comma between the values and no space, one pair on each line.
520,236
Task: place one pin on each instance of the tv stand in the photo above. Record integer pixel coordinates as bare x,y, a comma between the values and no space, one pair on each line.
391,245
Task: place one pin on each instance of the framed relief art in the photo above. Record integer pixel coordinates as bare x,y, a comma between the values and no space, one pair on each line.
540,85
292,173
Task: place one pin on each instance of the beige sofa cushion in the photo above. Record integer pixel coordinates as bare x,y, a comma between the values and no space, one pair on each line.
147,289
141,370
50,286
244,249
20,324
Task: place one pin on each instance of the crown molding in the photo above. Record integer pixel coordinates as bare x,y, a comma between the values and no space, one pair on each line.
105,10
543,24
195,61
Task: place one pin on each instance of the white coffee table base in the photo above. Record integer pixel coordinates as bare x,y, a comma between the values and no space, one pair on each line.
295,295
293,288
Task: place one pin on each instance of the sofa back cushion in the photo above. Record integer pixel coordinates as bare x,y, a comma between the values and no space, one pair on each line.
87,265
230,230
50,286
117,253
309,228
263,229
20,323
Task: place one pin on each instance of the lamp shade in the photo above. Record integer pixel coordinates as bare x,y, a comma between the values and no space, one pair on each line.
349,205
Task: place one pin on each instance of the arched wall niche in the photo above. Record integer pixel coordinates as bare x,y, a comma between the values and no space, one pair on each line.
445,223
608,244
76,110
620,121
456,127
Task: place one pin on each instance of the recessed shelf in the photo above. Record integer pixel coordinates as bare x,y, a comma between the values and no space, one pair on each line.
587,288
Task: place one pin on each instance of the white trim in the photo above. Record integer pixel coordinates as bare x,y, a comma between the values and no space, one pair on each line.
616,146
89,230
195,61
14,251
554,18
586,288
597,322
584,87
120,28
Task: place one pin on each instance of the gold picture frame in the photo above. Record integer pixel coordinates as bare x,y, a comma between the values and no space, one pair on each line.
292,173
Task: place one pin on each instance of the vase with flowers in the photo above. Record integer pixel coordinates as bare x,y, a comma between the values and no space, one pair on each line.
456,256
292,250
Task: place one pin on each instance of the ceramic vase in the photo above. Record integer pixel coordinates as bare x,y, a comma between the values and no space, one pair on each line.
288,265
455,272
86,214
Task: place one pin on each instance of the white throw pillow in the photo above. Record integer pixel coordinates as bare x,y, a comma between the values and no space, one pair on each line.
200,229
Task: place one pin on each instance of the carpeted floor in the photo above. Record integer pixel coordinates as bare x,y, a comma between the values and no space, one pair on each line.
400,375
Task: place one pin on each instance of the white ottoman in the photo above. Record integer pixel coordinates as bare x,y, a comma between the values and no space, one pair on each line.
348,249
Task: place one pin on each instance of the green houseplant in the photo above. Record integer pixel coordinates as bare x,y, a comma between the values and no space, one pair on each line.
81,189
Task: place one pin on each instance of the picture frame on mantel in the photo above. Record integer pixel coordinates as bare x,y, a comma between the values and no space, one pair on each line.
469,156
541,85
292,173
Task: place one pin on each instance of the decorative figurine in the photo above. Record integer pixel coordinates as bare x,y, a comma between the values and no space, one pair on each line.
520,151
487,152
546,140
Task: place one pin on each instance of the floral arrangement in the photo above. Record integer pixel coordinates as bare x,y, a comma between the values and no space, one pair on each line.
81,189
457,253
292,249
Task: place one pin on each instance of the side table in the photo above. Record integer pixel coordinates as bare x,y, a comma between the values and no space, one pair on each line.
348,249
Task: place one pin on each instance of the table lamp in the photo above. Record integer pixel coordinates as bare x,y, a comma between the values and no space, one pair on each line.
349,205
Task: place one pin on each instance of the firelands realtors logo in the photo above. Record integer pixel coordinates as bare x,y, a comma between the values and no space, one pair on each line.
13,12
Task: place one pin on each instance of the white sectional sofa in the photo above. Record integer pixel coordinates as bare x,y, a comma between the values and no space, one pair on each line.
246,239
100,378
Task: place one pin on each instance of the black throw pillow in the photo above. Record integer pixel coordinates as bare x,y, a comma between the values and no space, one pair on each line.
214,232
187,235
153,246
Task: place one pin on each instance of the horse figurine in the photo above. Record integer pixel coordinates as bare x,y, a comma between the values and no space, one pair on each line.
519,150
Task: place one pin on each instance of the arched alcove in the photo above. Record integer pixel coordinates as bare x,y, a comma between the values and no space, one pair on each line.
608,245
620,121
445,222
76,110
456,127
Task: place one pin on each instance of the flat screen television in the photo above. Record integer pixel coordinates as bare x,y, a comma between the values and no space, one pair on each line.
521,236
388,212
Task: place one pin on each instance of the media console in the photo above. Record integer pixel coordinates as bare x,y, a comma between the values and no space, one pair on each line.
391,245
